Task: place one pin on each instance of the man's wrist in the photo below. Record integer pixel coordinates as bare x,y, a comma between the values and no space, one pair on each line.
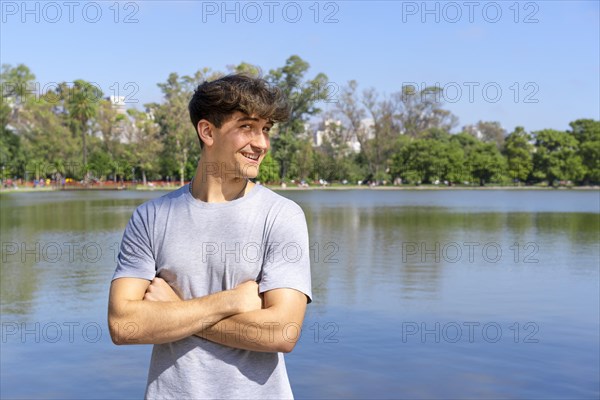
233,302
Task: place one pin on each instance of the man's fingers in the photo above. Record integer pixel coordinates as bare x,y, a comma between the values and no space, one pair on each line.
160,290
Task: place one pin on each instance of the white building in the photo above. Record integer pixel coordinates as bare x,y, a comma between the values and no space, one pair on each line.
118,103
330,125
366,128
327,128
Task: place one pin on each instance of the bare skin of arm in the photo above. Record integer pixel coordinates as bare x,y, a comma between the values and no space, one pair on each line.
134,318
274,328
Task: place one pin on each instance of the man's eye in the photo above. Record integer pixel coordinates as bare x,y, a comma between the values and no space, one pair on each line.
267,129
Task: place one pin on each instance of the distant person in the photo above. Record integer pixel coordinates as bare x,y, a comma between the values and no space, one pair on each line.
216,274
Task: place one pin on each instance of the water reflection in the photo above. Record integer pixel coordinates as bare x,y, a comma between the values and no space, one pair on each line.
409,247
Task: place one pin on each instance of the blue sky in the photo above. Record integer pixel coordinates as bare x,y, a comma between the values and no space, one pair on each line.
535,64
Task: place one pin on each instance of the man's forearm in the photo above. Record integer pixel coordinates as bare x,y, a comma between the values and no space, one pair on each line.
261,330
150,322
142,312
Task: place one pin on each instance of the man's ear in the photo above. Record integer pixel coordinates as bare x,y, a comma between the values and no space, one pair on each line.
206,132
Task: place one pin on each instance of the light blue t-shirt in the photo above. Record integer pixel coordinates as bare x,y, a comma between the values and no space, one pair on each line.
202,248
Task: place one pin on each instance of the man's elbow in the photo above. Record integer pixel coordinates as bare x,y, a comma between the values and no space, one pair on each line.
116,334
117,339
287,341
122,331
286,346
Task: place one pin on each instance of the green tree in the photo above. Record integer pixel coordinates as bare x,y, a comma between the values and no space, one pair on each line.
9,142
587,133
112,127
381,137
434,134
100,163
332,160
485,163
17,88
350,109
454,164
423,110
245,68
518,151
377,134
180,141
482,161
12,157
302,162
556,157
422,161
144,143
303,95
269,170
488,132
47,140
81,102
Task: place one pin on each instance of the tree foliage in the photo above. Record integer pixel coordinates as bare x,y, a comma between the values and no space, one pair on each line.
556,158
73,131
518,151
303,94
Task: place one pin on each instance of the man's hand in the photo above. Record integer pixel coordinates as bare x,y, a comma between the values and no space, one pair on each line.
283,308
160,290
251,300
248,298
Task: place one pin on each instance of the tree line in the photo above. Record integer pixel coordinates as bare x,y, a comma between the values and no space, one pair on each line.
73,130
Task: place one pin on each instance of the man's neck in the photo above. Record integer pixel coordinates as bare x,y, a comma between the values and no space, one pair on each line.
214,187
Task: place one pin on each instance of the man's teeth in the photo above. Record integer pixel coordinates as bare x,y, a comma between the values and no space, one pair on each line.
251,156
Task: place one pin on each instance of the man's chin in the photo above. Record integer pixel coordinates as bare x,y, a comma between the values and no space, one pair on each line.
250,171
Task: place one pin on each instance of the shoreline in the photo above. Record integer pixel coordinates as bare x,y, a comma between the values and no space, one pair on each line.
309,188
356,187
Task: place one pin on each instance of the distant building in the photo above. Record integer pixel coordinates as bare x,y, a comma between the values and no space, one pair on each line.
367,125
366,128
118,104
325,130
330,126
473,130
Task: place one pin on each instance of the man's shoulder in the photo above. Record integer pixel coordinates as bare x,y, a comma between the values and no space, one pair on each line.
164,202
283,205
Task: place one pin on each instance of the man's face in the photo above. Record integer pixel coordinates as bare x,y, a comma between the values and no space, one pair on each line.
241,144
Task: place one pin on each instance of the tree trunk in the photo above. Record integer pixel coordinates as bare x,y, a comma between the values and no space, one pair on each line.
84,143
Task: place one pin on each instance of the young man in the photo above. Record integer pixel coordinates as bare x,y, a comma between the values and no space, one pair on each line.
217,274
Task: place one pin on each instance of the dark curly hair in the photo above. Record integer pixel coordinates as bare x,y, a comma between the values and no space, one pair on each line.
216,100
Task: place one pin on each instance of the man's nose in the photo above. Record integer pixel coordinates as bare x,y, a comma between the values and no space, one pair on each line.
261,141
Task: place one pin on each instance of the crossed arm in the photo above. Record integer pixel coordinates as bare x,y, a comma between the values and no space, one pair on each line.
144,312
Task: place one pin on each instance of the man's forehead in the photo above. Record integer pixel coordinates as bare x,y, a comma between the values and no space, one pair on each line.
242,116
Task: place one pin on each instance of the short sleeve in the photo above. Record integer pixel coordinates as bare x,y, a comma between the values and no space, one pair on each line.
136,258
287,259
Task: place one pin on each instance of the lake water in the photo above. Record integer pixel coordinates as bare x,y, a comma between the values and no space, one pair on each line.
417,294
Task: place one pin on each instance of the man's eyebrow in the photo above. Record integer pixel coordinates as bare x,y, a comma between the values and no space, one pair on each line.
247,118
254,119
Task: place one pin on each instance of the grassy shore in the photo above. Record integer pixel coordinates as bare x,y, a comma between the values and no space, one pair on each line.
432,187
314,187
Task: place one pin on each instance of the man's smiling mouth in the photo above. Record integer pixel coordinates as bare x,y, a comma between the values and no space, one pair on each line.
251,156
